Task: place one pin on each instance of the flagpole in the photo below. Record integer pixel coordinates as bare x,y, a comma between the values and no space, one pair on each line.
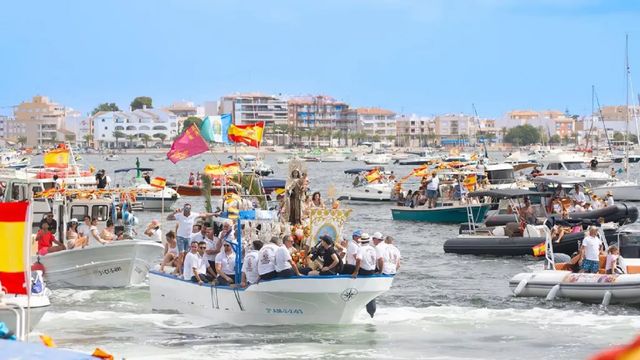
28,272
162,214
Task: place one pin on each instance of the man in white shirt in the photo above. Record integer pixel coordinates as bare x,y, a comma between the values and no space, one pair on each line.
267,260
195,268
366,258
590,251
185,219
352,250
579,196
432,190
285,267
226,265
609,197
382,251
250,265
393,265
214,246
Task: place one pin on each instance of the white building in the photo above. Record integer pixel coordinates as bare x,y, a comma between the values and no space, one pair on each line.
78,124
377,122
250,108
137,123
10,129
183,109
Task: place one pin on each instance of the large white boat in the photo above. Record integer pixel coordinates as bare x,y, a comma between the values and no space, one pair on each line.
377,159
121,263
621,190
573,165
368,192
13,160
300,300
148,196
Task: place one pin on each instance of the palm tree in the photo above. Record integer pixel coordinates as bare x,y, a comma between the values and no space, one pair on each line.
145,138
131,138
70,137
160,136
22,140
118,134
88,138
504,132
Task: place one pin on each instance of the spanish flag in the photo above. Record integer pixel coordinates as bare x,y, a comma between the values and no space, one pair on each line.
540,249
222,170
421,171
13,244
469,181
158,182
624,352
373,175
57,158
247,134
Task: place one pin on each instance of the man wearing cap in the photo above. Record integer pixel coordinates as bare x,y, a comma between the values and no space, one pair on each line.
185,219
285,267
352,250
382,251
366,258
267,260
590,251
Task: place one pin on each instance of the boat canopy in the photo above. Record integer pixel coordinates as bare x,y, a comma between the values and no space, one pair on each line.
507,193
558,179
132,169
361,170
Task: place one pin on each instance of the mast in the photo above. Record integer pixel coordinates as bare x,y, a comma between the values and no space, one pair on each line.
626,134
484,141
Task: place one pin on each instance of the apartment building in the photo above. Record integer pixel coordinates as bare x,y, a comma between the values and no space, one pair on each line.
415,131
249,108
377,122
321,112
455,129
136,124
42,119
10,129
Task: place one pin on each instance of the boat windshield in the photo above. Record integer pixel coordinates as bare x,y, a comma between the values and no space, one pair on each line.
575,165
501,176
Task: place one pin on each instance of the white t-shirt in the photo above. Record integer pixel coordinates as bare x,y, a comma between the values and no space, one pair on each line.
185,224
579,197
267,258
196,237
367,256
610,201
92,240
228,262
610,259
156,235
352,251
433,184
193,260
83,230
592,248
250,266
391,267
211,245
282,258
382,251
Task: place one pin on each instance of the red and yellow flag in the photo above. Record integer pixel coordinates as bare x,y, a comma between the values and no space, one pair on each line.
247,134
158,182
624,352
189,143
56,158
13,237
421,171
222,170
469,181
540,249
373,175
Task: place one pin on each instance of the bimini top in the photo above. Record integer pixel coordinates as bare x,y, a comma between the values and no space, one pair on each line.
507,193
132,169
361,170
557,179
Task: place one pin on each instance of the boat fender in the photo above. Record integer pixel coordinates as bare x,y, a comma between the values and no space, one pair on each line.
371,307
553,292
521,285
606,299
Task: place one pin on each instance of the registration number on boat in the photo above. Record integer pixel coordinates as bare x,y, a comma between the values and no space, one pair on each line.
108,271
284,311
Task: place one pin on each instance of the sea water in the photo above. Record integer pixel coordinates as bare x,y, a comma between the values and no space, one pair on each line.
441,306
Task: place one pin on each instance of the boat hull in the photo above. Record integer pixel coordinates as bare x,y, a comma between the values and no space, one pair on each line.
40,304
192,190
445,215
591,288
120,264
626,191
154,203
302,300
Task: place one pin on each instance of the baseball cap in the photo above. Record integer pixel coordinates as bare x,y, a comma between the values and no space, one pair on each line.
377,235
357,233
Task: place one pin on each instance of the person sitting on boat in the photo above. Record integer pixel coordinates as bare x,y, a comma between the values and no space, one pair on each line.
267,260
392,266
612,173
408,200
331,263
593,164
556,206
192,179
285,267
316,201
351,252
250,273
596,203
195,267
526,213
535,172
146,177
576,207
578,195
382,251
366,259
588,207
612,260
53,224
609,199
590,251
108,233
432,190
225,264
84,229
185,219
93,230
74,240
47,242
171,256
153,231
198,179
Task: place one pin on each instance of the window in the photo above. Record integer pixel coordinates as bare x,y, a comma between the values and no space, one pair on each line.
131,127
553,166
119,127
101,212
79,211
157,127
106,128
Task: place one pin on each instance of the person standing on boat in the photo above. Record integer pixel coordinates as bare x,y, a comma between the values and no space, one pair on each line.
432,190
350,255
195,268
366,259
590,251
391,267
382,251
250,273
185,219
285,267
594,164
610,201
225,264
267,260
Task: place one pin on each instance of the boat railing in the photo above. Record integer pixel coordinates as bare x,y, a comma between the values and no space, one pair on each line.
550,263
20,315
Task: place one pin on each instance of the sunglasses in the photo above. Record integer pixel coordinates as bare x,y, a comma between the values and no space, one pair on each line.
203,247
227,245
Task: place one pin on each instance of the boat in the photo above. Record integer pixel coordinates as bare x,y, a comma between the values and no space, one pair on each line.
368,192
194,190
149,197
38,304
13,160
377,159
121,263
621,190
446,213
251,164
159,157
283,160
112,157
301,300
572,165
502,176
520,158
334,157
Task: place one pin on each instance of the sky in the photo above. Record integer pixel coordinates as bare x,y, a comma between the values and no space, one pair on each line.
416,56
